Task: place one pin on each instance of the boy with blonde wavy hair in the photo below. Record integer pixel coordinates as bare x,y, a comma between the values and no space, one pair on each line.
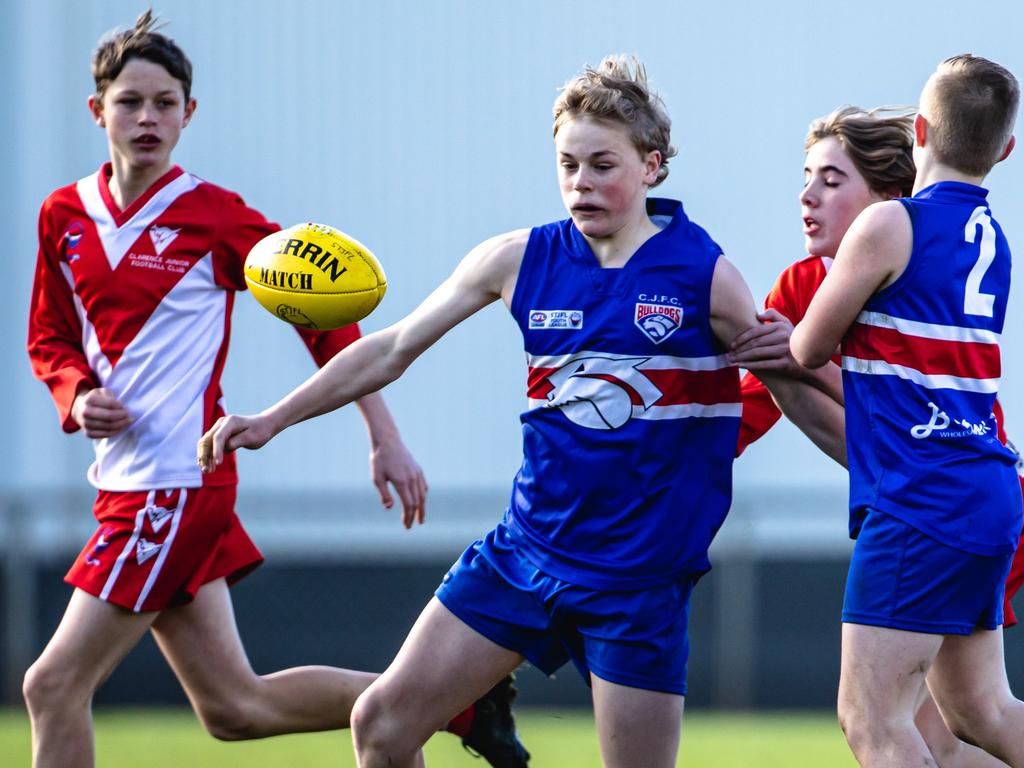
628,441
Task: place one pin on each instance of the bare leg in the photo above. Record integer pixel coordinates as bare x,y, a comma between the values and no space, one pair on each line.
947,749
91,640
201,643
970,686
442,668
883,672
636,728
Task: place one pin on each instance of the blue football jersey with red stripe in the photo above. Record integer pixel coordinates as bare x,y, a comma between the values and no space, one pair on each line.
921,369
633,411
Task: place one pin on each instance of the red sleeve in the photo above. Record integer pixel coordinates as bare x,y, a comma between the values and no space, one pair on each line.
997,409
790,296
795,287
239,229
323,345
759,412
55,329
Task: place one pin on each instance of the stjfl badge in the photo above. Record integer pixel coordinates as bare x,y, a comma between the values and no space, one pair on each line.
657,321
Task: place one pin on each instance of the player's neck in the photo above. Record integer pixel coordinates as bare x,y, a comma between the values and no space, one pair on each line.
930,171
128,183
615,250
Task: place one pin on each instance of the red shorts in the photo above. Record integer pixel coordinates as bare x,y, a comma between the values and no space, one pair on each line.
1014,580
155,549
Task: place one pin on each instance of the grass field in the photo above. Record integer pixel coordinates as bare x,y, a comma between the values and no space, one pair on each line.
172,739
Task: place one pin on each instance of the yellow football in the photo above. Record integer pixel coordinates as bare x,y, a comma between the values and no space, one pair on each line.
315,276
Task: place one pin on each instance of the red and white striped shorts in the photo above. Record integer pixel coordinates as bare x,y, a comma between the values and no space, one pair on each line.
155,549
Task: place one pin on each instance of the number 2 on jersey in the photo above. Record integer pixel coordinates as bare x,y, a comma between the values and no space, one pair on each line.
976,302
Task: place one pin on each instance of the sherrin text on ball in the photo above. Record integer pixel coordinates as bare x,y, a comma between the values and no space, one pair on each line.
315,276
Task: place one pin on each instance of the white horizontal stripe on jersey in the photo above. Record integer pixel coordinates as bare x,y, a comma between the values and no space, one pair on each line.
928,380
653,362
661,412
928,330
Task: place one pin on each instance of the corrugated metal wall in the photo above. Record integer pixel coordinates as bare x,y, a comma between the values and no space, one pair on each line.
423,128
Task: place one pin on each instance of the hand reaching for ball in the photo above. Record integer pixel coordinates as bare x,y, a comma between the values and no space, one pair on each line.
229,433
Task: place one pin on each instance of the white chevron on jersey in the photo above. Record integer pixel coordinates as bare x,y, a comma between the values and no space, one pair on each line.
117,240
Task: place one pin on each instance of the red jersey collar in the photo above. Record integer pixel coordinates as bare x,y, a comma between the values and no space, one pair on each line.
120,217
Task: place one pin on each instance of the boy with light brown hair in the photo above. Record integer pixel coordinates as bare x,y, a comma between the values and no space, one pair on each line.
917,297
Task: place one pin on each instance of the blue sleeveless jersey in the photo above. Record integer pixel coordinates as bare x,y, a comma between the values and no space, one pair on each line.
633,412
921,368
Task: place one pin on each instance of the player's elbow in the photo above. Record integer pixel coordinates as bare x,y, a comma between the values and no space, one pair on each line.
805,352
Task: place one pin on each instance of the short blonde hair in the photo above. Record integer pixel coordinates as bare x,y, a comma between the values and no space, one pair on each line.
617,90
972,106
879,142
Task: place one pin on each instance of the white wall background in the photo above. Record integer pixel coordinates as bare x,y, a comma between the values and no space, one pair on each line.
422,128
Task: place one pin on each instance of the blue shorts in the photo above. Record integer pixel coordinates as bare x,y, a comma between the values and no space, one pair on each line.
903,579
635,638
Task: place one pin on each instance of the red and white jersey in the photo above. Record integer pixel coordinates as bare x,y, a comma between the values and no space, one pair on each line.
790,296
139,302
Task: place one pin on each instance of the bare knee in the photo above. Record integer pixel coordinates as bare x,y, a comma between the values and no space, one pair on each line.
851,724
971,717
862,727
48,688
378,731
228,719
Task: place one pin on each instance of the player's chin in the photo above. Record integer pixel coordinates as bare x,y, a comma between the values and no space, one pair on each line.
592,226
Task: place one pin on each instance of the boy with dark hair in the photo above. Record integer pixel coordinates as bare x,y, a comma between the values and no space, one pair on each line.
137,270
917,296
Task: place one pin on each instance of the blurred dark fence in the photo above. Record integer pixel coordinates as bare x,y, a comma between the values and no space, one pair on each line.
343,584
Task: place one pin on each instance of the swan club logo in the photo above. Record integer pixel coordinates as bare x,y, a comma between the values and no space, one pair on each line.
657,321
555,319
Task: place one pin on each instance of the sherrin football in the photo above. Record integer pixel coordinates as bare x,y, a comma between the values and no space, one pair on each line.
315,276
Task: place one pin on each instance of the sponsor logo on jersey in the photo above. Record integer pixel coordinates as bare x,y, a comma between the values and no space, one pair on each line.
657,321
940,422
144,550
601,392
162,237
556,319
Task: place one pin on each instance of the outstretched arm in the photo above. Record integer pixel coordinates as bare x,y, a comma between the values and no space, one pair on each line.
816,414
487,273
